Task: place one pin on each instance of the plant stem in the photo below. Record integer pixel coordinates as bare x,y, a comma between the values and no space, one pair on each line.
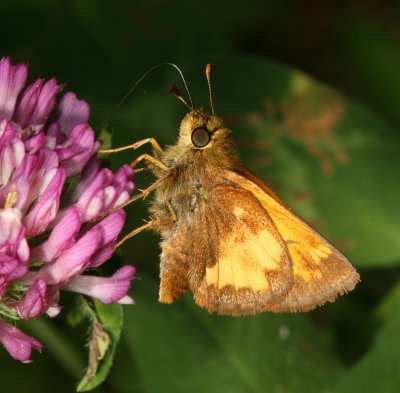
58,344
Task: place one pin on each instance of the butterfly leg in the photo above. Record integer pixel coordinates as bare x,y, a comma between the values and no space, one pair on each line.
172,212
155,145
150,159
148,225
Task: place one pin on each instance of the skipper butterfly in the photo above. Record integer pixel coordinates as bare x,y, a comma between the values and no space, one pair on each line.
226,235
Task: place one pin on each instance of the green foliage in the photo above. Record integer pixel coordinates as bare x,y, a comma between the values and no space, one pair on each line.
334,159
377,371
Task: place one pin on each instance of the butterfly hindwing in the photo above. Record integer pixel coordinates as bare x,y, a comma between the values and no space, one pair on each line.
320,272
240,264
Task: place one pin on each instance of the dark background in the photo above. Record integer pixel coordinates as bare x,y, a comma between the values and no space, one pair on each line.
331,150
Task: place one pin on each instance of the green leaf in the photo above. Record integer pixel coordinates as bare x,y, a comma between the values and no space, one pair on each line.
182,348
378,371
105,334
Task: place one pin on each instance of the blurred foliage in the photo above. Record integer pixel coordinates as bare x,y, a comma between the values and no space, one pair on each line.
331,155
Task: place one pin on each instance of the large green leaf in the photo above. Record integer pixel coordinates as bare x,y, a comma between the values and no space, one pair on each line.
181,348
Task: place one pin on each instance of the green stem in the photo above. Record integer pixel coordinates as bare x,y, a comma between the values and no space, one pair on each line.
58,344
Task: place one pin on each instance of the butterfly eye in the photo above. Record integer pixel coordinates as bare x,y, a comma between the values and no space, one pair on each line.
201,137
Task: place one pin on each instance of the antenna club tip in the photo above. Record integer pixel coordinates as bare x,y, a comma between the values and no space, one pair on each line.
208,75
174,91
171,88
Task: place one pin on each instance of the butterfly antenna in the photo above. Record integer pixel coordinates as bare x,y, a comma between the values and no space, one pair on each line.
140,80
174,91
209,69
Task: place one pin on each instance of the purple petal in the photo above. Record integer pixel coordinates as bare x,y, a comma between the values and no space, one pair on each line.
12,150
34,302
107,289
71,262
91,201
10,225
35,143
101,190
48,159
7,164
12,234
100,194
27,103
111,226
54,136
123,180
102,255
7,264
61,237
18,272
31,178
12,80
77,149
25,181
46,208
9,132
18,344
3,286
89,174
124,176
71,112
37,102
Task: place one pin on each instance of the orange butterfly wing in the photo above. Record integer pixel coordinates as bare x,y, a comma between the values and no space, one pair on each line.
320,272
251,254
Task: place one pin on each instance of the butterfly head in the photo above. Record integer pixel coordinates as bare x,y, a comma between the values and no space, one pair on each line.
203,138
201,130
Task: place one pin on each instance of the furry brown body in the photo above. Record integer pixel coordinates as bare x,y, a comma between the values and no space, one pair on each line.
191,172
229,238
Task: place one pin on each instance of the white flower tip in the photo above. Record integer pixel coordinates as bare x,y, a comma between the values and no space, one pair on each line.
126,300
53,311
